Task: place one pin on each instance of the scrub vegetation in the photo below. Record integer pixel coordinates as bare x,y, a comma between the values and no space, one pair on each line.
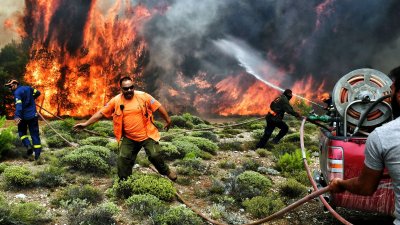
219,172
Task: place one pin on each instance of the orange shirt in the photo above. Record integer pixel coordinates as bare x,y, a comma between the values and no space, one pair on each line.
136,115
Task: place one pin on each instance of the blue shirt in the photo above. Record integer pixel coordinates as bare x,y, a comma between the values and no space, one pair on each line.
25,107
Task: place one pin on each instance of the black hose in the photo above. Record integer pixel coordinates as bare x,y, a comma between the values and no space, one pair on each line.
364,115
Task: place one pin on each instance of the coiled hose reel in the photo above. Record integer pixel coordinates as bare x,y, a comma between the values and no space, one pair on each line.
356,92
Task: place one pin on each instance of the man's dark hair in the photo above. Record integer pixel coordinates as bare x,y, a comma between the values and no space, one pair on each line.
287,92
124,79
395,76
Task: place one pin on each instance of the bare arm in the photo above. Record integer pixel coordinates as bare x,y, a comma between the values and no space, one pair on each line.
165,116
96,117
365,184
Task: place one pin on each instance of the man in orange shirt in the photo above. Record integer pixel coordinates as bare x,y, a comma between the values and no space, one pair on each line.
132,113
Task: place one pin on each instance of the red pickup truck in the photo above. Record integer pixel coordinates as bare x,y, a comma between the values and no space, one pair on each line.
361,103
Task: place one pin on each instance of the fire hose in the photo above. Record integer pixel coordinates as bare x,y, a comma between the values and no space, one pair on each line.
307,198
326,204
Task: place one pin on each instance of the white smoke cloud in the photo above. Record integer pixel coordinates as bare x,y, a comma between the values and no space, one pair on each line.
8,10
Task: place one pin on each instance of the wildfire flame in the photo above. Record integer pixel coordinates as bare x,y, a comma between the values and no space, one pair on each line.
77,65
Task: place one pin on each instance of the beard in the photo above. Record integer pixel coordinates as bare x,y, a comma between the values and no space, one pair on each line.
395,107
128,94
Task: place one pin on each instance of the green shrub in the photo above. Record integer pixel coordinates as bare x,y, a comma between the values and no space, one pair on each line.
202,143
113,146
7,137
226,164
251,164
145,205
28,213
300,176
50,177
206,134
85,192
231,146
284,147
191,166
159,125
98,141
144,184
257,134
55,141
262,206
231,131
58,125
88,158
178,215
250,184
292,188
295,138
170,151
185,147
18,176
104,127
263,152
179,121
217,187
290,162
3,166
80,213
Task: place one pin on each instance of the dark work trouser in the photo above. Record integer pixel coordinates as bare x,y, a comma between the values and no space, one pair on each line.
271,124
128,151
33,126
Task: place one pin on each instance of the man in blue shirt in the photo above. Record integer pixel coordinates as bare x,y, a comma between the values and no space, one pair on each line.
26,115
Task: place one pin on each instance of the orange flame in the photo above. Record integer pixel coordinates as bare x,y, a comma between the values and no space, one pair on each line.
80,83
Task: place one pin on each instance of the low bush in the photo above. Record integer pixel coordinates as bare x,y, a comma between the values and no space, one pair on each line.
55,141
284,147
3,166
50,177
217,187
202,143
144,184
72,192
159,125
250,184
263,152
292,188
251,164
145,205
193,119
181,122
98,141
262,206
290,162
178,215
104,127
257,134
185,147
300,176
95,159
226,164
113,146
80,213
191,166
7,137
231,146
206,134
170,151
18,176
28,213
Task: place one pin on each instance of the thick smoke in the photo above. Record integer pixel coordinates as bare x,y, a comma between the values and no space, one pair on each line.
325,39
8,11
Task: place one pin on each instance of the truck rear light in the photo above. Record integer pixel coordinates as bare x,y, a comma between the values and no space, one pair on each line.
335,162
